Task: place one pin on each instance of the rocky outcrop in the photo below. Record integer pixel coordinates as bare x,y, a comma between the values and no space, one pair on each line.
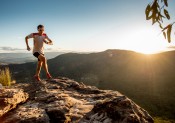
63,100
10,98
120,109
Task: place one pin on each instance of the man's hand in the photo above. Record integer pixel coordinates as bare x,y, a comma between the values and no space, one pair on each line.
50,43
28,48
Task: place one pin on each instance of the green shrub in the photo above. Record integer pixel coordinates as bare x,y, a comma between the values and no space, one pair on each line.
5,77
161,120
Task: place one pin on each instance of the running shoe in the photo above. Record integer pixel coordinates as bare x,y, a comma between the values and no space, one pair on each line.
48,76
37,78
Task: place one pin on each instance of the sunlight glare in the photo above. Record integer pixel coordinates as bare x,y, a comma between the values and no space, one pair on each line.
145,40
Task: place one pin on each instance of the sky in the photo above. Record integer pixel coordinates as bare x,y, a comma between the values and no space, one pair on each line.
81,25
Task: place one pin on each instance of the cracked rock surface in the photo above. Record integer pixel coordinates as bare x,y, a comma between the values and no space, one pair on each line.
10,98
63,100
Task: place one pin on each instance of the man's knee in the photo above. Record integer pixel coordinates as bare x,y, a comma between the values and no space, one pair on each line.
42,58
40,63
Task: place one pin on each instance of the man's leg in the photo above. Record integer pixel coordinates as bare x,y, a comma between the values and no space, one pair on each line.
44,61
38,69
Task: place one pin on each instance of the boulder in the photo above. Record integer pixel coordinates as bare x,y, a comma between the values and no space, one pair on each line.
10,98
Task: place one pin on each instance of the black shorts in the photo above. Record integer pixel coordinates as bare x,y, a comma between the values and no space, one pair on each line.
36,54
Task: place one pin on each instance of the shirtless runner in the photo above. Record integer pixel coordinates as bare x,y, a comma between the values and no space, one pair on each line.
38,50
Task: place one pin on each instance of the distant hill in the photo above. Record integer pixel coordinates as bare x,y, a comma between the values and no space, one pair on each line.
18,58
149,80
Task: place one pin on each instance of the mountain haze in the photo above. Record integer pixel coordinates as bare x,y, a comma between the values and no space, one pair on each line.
18,58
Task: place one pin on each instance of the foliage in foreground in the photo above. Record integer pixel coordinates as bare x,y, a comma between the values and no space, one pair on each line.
160,120
157,12
5,77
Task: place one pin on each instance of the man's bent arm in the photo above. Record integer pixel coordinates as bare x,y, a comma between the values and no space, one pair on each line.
50,42
26,39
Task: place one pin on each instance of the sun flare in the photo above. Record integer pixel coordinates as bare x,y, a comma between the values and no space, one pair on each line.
145,40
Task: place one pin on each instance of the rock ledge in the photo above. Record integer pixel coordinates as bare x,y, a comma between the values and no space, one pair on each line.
63,100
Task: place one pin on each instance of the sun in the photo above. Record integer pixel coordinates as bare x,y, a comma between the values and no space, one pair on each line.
145,40
148,46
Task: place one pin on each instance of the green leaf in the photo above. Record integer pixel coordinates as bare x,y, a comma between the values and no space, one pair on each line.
160,26
147,12
166,27
166,14
166,2
164,34
169,33
153,21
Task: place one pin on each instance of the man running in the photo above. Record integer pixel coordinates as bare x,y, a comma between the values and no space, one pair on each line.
38,50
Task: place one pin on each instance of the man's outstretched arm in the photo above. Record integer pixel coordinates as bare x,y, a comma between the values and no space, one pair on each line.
27,44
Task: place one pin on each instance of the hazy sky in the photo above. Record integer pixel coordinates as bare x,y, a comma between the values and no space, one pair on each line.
80,25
